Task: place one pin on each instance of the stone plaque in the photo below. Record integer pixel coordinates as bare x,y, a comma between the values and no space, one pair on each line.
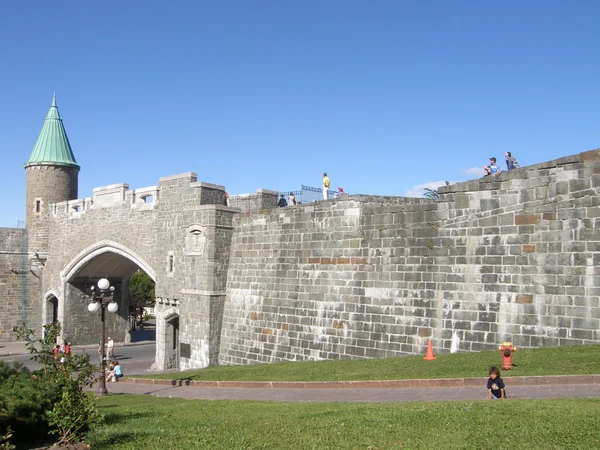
185,350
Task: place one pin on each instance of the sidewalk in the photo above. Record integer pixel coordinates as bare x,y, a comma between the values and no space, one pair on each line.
561,386
18,348
587,386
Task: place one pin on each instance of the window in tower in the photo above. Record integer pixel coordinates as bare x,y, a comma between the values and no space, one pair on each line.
171,264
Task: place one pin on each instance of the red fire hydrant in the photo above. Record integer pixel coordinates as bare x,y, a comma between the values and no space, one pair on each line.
507,350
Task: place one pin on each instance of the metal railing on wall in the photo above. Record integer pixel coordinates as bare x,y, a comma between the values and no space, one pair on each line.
308,194
256,202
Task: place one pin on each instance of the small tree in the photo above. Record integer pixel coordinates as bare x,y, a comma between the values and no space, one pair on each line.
5,440
74,410
431,193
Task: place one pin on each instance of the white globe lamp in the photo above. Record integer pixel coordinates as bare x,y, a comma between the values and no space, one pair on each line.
103,284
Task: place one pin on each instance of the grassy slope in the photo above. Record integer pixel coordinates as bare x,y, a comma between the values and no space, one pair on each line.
566,360
136,422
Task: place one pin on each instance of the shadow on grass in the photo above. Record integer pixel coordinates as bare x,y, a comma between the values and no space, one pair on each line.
111,418
105,439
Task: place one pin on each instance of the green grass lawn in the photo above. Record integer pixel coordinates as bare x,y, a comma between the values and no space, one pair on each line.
568,360
143,422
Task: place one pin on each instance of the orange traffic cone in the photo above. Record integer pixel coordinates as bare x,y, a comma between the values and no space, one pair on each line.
429,356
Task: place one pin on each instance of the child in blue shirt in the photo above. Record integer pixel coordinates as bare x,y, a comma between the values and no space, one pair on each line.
495,385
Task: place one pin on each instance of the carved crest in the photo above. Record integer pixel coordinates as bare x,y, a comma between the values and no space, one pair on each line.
195,240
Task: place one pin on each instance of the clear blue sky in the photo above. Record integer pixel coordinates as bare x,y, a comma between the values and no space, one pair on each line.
383,95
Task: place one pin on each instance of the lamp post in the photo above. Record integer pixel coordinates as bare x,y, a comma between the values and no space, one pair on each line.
103,299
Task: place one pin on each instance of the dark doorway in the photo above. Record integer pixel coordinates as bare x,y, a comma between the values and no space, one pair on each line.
172,342
52,309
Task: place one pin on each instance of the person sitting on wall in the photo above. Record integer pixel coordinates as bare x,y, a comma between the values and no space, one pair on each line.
339,193
493,168
281,203
511,161
292,199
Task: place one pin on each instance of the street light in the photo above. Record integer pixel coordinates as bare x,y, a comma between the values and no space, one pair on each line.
103,298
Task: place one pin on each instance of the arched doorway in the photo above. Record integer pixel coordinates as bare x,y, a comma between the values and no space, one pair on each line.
171,340
108,260
51,309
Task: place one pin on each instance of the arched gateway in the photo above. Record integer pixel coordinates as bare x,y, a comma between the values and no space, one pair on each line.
176,232
115,233
104,259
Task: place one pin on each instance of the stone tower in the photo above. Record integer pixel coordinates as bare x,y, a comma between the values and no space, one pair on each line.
52,177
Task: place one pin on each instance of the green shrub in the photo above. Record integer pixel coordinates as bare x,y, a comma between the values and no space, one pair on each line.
24,399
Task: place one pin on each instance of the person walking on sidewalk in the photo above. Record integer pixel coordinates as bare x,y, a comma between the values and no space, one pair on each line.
110,349
326,184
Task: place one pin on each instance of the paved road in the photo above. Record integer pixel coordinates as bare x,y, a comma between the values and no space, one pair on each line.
358,395
135,359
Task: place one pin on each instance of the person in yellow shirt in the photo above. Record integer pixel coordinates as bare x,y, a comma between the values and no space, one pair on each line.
326,184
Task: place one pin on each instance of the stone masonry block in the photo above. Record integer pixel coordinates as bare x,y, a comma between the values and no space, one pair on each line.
527,219
524,299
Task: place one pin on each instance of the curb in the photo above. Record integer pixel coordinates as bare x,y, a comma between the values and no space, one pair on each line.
2,355
381,384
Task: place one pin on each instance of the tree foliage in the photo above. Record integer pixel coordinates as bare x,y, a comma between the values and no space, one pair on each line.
141,292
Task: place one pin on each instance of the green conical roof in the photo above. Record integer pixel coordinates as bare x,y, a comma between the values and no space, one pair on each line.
52,147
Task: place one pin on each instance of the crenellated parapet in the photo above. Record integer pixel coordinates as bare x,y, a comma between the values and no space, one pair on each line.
171,189
112,196
261,200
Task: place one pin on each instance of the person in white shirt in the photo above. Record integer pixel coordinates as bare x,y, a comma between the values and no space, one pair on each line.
110,352
292,199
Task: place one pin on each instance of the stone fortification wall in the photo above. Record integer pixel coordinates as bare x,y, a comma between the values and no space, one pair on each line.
19,284
509,257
